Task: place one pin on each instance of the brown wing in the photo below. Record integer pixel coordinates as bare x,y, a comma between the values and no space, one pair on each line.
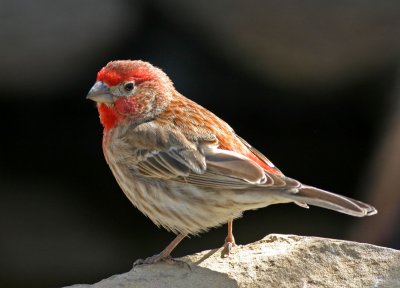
199,124
166,154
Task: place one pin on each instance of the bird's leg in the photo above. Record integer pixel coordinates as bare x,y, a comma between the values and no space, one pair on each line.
229,241
165,255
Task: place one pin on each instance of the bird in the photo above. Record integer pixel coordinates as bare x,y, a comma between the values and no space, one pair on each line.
181,165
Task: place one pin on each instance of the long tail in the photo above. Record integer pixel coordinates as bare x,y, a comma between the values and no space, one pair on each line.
328,200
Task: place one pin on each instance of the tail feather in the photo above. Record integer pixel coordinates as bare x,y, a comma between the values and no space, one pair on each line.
328,200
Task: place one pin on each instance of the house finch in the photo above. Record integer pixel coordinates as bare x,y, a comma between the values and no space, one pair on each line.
182,166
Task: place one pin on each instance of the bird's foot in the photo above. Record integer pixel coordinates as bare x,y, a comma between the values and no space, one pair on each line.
227,248
160,258
153,259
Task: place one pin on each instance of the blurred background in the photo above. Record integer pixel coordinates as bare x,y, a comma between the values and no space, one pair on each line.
313,85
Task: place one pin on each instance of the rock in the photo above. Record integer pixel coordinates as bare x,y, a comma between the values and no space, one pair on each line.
275,261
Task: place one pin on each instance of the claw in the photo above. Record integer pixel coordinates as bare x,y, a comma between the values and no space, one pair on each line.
226,251
158,258
164,256
152,260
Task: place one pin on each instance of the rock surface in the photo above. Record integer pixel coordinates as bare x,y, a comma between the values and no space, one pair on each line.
275,261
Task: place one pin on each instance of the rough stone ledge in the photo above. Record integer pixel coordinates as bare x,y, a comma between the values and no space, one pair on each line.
274,261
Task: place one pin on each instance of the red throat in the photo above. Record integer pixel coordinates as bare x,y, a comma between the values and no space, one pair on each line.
108,116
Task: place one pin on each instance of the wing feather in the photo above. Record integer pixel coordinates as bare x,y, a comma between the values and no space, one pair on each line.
173,157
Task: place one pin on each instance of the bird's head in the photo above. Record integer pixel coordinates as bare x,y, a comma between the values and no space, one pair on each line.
128,90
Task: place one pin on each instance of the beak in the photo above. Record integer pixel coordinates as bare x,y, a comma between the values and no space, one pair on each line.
100,93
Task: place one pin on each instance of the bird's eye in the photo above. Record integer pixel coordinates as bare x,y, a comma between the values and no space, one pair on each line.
129,86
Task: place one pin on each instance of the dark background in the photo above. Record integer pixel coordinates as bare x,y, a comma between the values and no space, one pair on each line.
313,86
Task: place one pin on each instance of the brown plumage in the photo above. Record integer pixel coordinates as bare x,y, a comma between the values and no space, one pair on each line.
181,165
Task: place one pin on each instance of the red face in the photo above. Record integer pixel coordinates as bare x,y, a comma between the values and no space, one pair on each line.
128,90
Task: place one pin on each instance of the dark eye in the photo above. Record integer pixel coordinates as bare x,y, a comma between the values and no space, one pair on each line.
129,86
